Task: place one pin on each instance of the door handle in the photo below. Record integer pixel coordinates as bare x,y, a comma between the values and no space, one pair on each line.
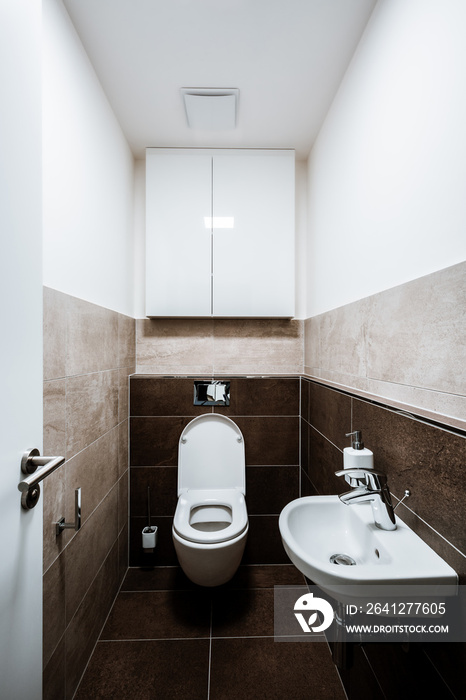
29,486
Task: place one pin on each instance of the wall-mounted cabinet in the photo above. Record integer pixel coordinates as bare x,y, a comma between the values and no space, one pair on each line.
220,233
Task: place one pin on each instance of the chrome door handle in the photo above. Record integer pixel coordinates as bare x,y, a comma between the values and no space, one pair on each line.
29,487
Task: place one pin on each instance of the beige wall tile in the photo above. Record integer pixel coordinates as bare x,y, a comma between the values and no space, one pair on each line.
123,492
416,333
123,391
88,549
174,346
91,408
53,493
95,471
404,345
54,439
336,340
54,607
123,447
55,309
258,346
126,341
92,338
83,630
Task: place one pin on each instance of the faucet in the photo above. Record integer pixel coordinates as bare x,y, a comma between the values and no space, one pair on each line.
371,486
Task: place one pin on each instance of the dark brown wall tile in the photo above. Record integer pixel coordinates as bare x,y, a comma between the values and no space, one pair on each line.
163,490
305,439
154,441
264,545
262,396
270,440
53,679
324,460
330,414
269,489
163,396
304,402
450,662
425,459
307,487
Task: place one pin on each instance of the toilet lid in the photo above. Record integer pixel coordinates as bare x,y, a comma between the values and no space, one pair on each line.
211,455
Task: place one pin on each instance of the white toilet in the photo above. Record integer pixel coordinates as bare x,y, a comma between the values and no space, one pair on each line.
210,526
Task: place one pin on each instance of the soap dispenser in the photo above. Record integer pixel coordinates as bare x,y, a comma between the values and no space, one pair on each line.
357,456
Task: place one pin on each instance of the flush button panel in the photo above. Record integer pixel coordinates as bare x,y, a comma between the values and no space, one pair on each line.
214,393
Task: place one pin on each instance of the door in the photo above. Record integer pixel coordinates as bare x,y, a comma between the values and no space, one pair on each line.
20,346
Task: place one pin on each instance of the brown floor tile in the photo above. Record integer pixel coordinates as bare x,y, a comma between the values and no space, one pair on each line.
166,578
165,670
158,578
243,613
159,615
266,576
261,668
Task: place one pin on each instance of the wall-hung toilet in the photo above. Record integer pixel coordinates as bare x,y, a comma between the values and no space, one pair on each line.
210,526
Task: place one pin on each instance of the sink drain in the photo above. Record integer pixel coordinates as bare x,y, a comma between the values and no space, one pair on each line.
342,559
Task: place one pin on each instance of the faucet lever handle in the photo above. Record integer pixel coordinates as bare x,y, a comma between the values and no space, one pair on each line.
369,477
357,471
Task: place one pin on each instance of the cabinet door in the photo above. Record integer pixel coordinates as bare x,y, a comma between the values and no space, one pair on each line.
253,262
178,243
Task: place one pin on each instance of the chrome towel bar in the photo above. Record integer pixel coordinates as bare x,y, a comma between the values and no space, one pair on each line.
29,486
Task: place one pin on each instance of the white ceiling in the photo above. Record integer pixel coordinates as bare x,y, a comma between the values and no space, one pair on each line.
287,57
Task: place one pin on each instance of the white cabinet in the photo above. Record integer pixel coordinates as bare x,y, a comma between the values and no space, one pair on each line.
220,233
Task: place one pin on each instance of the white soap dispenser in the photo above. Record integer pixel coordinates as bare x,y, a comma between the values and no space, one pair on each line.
357,456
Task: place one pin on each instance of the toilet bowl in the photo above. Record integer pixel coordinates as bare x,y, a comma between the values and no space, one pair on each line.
210,526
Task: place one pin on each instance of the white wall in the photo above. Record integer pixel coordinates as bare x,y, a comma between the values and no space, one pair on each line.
387,173
87,176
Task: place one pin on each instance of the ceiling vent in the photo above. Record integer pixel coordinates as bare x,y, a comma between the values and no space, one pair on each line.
211,109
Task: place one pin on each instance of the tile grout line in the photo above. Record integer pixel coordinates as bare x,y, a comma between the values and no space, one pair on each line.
210,649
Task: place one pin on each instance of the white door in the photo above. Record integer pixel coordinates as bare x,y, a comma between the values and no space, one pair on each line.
20,346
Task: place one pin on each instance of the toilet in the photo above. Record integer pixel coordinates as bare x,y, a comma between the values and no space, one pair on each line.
210,526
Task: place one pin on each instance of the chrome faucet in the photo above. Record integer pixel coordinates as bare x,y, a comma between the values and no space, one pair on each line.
371,486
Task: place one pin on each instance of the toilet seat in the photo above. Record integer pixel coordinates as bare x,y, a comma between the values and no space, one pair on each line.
232,498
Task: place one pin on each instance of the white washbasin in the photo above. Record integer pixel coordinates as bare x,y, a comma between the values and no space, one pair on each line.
314,528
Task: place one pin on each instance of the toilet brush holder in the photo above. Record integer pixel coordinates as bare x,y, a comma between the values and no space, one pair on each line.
149,533
149,538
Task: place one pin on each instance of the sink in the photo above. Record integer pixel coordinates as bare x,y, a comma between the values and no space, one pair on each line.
315,529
